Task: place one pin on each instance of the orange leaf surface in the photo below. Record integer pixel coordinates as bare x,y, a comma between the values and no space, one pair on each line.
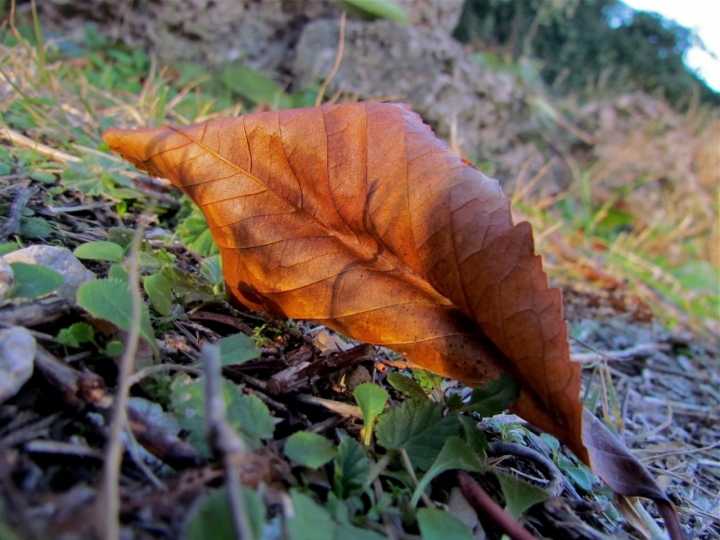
357,217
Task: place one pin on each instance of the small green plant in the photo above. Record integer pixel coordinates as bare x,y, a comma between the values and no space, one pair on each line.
237,349
262,340
371,398
246,413
110,299
76,334
310,449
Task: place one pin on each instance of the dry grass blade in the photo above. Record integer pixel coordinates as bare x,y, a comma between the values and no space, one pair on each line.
41,149
336,65
108,503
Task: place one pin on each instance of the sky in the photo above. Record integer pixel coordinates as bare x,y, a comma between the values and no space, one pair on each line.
703,16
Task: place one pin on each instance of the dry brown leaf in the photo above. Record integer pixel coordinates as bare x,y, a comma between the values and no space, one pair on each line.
357,217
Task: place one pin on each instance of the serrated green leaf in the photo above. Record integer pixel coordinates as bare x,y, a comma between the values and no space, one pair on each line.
351,468
158,290
377,9
371,399
494,397
188,406
436,524
519,494
455,454
114,348
426,380
551,441
100,251
237,349
407,386
76,334
212,518
453,401
309,449
34,281
110,299
417,427
35,228
195,234
310,520
247,414
87,178
250,416
473,436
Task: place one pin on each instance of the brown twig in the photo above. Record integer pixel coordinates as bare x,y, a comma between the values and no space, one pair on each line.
297,377
487,508
78,388
222,319
224,441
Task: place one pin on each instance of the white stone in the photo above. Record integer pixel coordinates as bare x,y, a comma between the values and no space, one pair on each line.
17,353
7,278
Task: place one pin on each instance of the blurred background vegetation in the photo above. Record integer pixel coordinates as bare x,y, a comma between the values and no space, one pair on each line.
579,44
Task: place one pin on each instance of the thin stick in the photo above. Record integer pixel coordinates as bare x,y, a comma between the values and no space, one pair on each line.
487,508
338,59
224,441
108,502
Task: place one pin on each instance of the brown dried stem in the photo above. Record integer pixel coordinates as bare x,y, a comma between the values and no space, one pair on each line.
487,508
